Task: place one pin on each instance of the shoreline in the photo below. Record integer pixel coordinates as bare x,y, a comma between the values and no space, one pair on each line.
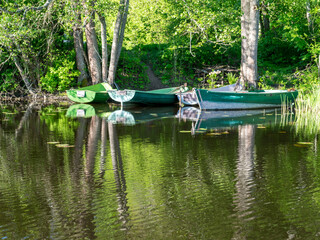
45,98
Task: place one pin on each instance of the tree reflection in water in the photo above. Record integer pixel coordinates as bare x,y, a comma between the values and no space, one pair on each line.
118,174
231,185
93,137
243,198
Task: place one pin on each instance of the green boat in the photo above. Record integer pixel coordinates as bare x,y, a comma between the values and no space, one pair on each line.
162,96
97,93
229,100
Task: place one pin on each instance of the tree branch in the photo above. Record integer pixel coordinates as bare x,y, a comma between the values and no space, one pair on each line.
26,9
3,63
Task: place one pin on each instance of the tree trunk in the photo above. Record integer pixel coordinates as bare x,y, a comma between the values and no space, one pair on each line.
93,51
80,60
118,36
309,16
23,75
249,43
23,68
104,49
264,19
123,25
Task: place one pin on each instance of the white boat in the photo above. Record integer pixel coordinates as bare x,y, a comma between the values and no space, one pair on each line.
190,98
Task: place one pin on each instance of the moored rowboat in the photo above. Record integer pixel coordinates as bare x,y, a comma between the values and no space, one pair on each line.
91,94
225,100
190,98
162,96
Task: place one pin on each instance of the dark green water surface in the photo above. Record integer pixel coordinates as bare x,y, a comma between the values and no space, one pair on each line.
90,172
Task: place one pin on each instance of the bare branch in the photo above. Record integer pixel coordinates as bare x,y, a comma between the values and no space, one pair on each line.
26,9
4,62
192,54
193,20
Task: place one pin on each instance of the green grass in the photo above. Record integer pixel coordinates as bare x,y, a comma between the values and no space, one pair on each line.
308,112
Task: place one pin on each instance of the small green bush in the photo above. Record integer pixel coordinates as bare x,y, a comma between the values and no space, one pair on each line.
232,78
306,79
59,77
7,81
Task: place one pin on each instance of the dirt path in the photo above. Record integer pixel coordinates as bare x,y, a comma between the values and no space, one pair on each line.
155,82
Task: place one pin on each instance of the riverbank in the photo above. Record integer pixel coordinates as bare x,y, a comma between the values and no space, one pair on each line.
46,98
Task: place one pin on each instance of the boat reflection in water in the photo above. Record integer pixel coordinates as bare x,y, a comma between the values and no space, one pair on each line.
206,120
141,114
88,110
132,115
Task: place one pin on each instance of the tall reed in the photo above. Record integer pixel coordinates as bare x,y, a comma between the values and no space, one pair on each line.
308,112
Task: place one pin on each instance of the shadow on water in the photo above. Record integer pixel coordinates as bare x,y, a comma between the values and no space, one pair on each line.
91,172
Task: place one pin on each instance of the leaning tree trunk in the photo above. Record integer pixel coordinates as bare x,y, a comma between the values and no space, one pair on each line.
23,75
23,68
118,36
93,51
122,28
104,49
80,59
249,43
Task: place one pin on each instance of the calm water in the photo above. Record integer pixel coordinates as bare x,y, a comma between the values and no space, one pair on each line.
92,172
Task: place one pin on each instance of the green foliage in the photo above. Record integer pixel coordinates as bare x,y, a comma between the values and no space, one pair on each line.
177,39
7,81
131,72
308,111
307,79
28,36
213,77
59,77
232,78
278,51
177,65
273,79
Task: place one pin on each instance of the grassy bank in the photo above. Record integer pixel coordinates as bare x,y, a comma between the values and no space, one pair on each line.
308,111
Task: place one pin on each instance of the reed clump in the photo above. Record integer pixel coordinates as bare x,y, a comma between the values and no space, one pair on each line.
308,112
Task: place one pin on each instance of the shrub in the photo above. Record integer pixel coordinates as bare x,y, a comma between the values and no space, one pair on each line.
60,76
7,81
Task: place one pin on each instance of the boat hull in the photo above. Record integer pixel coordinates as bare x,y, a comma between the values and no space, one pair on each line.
164,96
91,94
213,100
